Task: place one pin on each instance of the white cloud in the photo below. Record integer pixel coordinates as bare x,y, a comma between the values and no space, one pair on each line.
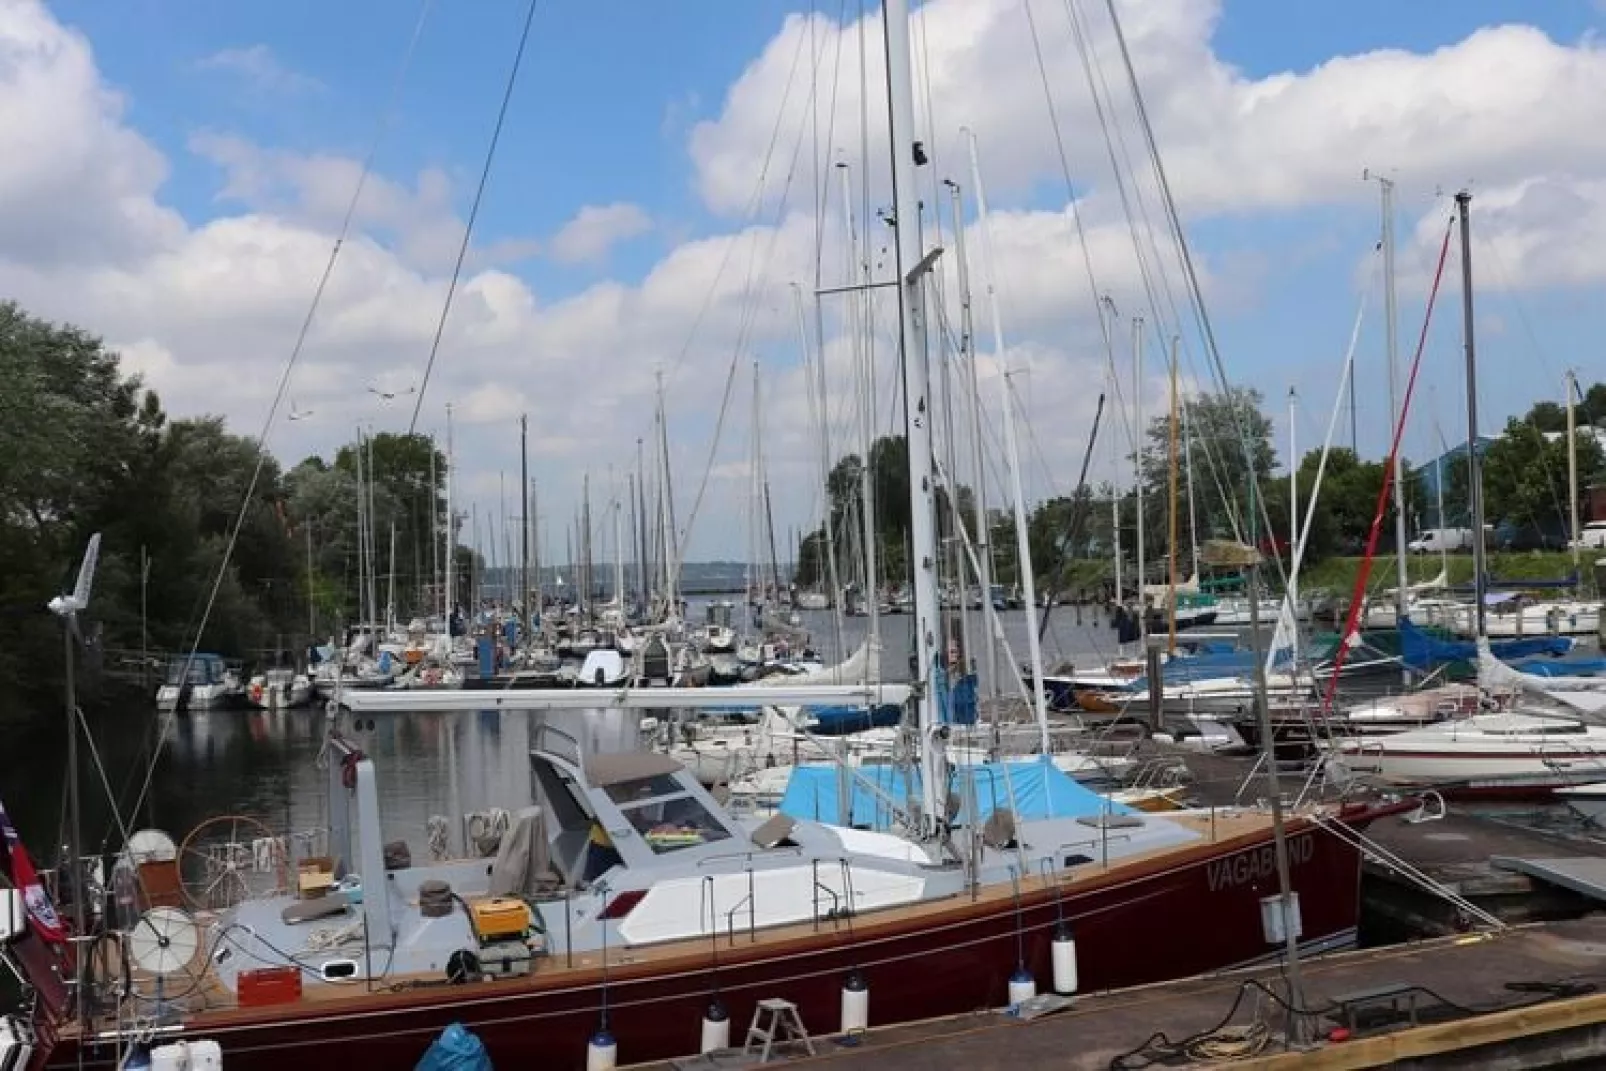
260,69
595,230
207,312
77,187
315,189
1484,107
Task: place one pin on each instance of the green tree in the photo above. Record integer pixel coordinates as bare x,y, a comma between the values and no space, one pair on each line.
1212,433
1348,500
1547,416
1525,475
84,448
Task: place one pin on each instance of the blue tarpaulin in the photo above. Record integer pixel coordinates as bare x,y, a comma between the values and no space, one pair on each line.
1422,650
876,793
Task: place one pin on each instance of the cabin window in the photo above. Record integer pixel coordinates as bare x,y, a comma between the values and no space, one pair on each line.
671,824
644,788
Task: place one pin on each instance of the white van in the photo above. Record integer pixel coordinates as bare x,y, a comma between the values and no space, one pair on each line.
1592,537
1437,540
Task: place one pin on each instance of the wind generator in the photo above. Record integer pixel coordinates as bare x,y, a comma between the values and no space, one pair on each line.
68,607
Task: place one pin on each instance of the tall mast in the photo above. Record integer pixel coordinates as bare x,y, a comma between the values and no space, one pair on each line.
956,517
644,576
585,543
863,368
1115,501
373,539
978,485
312,591
1171,512
1572,470
630,497
531,496
911,271
1137,467
434,544
769,528
451,528
1463,202
1187,464
1293,506
1023,547
755,568
1391,334
618,560
667,512
390,582
363,612
524,524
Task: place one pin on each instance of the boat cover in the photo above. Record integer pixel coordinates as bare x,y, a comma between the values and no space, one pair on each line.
1037,787
1423,650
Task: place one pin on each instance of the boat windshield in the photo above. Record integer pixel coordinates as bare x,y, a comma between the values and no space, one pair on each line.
644,788
676,822
202,671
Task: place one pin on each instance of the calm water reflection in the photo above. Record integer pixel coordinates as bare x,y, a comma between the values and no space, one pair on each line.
266,764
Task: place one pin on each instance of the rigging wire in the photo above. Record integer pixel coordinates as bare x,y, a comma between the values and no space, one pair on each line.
473,212
1356,598
386,117
1190,274
753,291
1070,186
1150,265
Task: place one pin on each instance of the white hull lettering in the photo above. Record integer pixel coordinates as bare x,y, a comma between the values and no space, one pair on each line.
1257,865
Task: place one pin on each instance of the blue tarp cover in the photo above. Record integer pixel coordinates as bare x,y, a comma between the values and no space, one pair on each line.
1422,650
1040,790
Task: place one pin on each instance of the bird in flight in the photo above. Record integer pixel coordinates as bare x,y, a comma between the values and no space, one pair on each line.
297,414
387,395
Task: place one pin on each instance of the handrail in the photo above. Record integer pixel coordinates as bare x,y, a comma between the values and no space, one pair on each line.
730,919
747,856
819,887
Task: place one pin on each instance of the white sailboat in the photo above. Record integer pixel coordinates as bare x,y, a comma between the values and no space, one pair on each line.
1537,746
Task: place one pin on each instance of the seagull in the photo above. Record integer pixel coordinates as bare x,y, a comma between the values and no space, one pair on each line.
387,395
297,414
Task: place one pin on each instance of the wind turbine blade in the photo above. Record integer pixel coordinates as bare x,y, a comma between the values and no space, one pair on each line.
86,573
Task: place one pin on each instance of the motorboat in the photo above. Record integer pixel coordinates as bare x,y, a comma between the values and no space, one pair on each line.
279,688
199,682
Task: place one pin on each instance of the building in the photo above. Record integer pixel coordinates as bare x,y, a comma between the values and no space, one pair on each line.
1430,476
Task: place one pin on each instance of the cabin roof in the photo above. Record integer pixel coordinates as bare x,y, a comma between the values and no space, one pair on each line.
604,770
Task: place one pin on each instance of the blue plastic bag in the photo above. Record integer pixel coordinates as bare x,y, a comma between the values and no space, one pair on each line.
455,1050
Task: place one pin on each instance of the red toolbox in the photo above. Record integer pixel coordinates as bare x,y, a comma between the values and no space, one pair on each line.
269,985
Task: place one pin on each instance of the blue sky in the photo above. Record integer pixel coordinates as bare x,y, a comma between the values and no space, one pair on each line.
604,115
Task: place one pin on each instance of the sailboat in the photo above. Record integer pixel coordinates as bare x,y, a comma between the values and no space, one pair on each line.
630,917
1535,747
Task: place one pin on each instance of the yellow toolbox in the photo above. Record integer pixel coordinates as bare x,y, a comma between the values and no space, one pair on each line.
500,918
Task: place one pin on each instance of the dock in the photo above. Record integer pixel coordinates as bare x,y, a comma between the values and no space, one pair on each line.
1530,996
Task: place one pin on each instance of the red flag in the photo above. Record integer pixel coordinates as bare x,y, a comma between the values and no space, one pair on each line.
41,912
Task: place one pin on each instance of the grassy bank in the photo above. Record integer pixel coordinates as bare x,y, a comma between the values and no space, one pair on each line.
1338,574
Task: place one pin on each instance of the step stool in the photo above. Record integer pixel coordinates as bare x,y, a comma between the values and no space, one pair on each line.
783,1025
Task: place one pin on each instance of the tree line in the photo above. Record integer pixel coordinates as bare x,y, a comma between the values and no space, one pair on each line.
86,448
1525,481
